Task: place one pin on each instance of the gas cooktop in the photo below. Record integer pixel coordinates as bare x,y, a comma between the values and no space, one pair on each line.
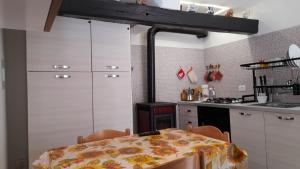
224,100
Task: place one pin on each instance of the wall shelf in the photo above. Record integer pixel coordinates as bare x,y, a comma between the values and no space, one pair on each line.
269,65
274,86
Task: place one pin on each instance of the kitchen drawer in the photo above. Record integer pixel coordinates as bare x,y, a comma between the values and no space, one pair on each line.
185,120
66,48
186,110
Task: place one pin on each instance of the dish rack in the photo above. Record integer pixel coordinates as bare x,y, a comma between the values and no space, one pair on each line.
269,65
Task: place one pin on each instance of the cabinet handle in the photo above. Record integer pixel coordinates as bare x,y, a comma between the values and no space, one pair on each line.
112,76
62,76
61,67
245,114
286,118
112,67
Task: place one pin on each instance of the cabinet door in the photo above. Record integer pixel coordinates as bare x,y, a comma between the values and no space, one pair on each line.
66,48
248,132
59,109
283,140
110,46
112,100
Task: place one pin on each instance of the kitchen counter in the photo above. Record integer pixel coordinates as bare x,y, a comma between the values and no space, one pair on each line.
244,106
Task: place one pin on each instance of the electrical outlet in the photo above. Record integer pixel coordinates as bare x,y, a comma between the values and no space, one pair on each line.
242,88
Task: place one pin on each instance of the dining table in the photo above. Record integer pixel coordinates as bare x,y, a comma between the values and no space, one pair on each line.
133,152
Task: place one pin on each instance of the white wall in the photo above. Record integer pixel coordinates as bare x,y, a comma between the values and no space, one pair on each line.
1,14
274,15
2,113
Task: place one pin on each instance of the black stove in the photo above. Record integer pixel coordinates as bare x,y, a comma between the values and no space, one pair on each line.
224,100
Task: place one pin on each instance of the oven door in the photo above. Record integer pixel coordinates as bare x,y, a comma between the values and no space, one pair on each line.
164,121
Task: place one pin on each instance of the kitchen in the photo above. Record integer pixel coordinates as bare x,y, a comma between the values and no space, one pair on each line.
175,51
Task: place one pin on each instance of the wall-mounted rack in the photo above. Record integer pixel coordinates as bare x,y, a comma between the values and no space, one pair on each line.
274,86
268,65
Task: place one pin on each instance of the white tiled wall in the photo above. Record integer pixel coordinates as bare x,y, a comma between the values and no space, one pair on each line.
267,46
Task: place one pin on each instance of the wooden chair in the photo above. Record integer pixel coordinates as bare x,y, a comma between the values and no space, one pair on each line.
101,135
209,131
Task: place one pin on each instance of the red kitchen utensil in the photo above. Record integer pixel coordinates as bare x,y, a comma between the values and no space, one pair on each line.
206,77
218,75
180,73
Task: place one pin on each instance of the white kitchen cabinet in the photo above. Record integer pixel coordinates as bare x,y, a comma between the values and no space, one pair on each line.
112,100
282,130
187,115
59,109
110,46
66,48
248,132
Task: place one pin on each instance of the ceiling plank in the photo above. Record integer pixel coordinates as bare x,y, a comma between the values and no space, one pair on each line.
131,13
53,11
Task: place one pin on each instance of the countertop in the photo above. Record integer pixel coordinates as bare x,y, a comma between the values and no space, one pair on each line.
243,106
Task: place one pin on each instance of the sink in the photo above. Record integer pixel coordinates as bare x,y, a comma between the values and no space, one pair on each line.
279,105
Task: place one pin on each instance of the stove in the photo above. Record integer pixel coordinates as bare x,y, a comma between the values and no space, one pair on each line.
224,100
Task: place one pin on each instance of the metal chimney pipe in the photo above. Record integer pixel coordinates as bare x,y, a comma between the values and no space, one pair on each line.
151,52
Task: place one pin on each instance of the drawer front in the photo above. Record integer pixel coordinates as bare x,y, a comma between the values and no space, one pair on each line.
188,111
185,120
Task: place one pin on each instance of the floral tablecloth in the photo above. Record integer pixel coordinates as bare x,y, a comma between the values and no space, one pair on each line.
140,152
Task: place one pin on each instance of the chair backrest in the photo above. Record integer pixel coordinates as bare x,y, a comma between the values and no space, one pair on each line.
101,135
209,131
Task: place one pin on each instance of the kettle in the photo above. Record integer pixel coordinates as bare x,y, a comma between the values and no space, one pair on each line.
212,93
190,93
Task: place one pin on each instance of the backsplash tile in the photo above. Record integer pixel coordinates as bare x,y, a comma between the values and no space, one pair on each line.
267,46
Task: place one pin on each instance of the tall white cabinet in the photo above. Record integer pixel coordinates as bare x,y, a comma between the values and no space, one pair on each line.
111,75
79,81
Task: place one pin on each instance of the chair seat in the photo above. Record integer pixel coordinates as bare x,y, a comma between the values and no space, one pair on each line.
101,135
210,131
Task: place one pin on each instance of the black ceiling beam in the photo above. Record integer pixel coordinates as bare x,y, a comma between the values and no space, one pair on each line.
131,13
